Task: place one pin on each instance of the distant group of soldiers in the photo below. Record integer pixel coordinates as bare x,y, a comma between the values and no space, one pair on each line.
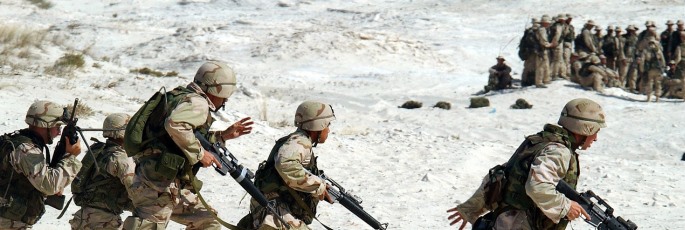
640,63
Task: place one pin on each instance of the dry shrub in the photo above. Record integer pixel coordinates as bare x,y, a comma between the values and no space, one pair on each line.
82,110
152,72
411,105
43,4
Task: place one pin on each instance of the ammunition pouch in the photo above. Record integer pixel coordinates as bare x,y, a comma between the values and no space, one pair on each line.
169,165
15,208
486,222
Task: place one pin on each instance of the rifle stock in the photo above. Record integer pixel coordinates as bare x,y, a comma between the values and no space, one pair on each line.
600,219
352,203
242,175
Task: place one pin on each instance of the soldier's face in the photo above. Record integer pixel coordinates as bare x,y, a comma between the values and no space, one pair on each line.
588,141
324,135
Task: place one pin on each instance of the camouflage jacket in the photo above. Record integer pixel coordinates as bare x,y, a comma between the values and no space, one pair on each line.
652,58
551,164
296,153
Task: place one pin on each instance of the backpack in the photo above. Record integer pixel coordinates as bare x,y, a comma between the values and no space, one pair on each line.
528,44
155,111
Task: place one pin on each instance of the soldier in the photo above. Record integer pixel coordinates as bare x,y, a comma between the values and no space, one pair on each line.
569,35
620,55
528,49
665,39
101,188
609,47
679,58
25,177
672,87
675,36
542,73
580,59
631,58
556,32
529,200
500,77
584,41
597,39
609,76
652,63
592,75
168,149
289,177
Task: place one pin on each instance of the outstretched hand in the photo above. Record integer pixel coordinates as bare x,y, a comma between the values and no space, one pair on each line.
457,218
242,127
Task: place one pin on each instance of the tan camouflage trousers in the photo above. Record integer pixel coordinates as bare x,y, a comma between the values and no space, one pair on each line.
622,71
528,73
542,73
631,77
652,81
559,67
13,224
267,221
93,218
512,219
567,57
675,88
595,80
179,205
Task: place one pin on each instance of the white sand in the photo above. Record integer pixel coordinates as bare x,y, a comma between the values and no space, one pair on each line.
365,58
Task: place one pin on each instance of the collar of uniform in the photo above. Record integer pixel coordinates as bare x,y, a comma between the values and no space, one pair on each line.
198,90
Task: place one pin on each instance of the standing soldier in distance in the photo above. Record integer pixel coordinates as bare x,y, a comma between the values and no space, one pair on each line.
652,64
675,36
530,200
289,177
585,41
665,39
542,73
631,57
528,42
609,47
556,32
25,177
569,35
162,185
597,39
619,51
102,185
679,58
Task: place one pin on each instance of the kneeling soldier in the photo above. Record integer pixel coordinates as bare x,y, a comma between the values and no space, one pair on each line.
289,176
101,187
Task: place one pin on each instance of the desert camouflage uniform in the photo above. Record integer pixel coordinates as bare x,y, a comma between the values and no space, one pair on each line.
542,71
595,77
631,56
568,36
158,199
590,46
291,160
552,163
528,73
679,58
27,162
97,215
652,63
558,66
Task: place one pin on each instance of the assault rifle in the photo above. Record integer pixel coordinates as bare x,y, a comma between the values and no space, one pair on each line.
69,131
351,203
600,219
242,175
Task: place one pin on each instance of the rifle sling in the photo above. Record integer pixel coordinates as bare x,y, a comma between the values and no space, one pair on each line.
193,183
65,208
304,206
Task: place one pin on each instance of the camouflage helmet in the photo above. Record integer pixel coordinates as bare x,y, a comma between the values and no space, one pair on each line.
561,17
590,23
631,27
582,54
115,121
216,79
313,116
679,22
545,19
45,114
618,29
582,116
569,16
594,59
669,23
610,28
